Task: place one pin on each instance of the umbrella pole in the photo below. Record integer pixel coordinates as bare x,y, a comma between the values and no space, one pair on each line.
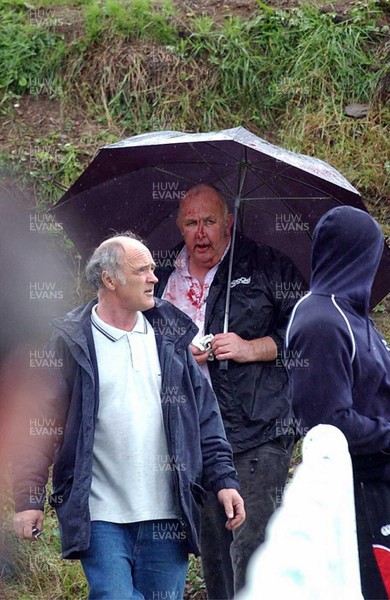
224,363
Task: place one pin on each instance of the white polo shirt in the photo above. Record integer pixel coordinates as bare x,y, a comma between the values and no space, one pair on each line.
131,474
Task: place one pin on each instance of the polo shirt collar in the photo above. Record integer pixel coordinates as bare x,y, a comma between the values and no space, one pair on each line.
113,333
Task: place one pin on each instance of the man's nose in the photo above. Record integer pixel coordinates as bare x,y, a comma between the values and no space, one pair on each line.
153,279
200,230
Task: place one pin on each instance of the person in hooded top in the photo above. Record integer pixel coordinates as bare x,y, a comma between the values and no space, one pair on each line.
339,368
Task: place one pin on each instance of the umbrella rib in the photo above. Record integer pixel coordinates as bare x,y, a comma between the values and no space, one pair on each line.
255,170
290,198
211,167
166,172
294,179
285,202
255,167
222,150
187,179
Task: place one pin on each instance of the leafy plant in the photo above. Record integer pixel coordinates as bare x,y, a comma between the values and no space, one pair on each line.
30,55
379,308
138,19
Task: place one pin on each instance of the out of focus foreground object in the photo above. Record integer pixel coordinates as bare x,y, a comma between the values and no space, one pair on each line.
311,548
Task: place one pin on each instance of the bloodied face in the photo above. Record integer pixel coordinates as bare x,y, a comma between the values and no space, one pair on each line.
205,225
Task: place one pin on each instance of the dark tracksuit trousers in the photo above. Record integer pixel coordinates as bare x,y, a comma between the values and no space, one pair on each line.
262,473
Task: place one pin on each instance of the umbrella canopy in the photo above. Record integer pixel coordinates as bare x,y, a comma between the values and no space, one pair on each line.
137,184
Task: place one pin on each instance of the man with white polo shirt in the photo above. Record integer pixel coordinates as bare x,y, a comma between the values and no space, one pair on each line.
138,435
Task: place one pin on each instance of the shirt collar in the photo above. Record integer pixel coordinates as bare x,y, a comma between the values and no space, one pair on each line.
114,333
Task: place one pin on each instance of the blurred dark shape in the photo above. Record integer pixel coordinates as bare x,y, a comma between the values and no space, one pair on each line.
35,277
36,285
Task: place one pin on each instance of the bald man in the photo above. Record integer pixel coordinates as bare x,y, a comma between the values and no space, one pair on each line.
253,392
135,433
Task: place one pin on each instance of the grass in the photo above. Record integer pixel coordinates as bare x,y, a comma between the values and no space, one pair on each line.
37,570
30,56
136,19
288,74
291,74
280,59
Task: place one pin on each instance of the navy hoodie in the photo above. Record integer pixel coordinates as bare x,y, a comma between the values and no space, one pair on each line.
339,363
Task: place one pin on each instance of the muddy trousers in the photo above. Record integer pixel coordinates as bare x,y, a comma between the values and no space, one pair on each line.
262,472
372,505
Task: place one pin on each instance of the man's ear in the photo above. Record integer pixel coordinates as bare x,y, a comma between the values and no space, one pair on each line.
108,281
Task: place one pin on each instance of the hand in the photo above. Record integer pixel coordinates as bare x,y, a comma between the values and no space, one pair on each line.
234,507
200,357
25,520
230,346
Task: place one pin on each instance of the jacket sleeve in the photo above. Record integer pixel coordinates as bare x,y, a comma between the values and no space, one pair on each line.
218,469
286,286
39,426
321,374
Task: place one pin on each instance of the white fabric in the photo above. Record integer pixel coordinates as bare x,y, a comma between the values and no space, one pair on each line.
311,551
189,295
131,474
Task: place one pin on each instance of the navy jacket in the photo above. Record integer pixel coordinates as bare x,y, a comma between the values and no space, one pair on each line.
69,402
339,363
254,398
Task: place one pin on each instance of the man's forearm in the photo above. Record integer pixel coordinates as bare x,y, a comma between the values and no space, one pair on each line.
262,349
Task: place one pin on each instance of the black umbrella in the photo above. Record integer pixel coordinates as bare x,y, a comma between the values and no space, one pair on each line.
277,196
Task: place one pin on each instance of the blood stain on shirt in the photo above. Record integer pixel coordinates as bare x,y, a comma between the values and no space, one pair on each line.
194,296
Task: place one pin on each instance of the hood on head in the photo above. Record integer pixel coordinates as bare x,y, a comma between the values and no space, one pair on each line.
347,247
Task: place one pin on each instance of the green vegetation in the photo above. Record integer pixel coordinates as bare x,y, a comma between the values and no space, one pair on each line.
132,20
37,570
135,66
28,55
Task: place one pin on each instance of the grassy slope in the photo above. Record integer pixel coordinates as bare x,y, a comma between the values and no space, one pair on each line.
72,82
